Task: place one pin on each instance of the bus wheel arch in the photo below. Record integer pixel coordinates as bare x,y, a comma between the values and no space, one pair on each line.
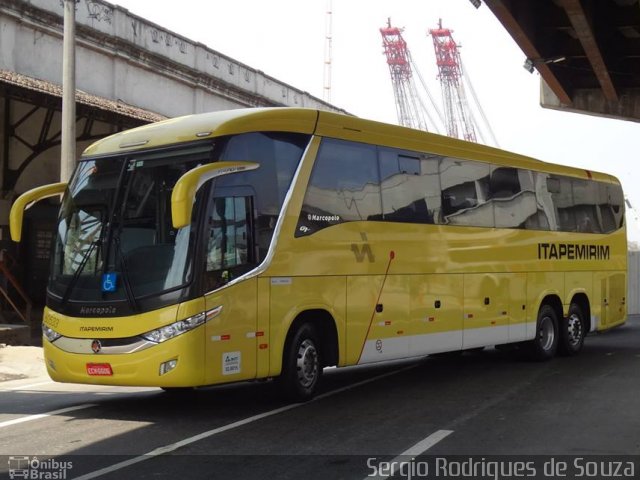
545,343
575,326
310,345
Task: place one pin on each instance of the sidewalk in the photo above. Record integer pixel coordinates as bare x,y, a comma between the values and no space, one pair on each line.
21,362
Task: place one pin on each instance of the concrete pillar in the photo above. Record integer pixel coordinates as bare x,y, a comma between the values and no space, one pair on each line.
68,147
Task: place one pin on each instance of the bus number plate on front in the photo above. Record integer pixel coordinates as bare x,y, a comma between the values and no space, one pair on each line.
99,369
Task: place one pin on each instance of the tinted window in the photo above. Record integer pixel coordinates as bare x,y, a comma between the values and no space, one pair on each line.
465,193
514,198
585,198
504,182
545,216
278,155
611,207
561,189
410,186
344,187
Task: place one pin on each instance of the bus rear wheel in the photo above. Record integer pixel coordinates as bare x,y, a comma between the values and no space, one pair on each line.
572,332
301,366
545,343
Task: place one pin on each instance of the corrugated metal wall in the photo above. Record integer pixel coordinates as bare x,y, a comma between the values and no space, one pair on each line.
633,296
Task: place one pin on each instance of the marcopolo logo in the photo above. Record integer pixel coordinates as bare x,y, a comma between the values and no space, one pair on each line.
312,217
35,469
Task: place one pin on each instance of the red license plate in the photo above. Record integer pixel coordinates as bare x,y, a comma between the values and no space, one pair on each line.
99,369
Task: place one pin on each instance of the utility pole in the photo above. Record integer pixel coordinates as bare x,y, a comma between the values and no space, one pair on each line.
68,140
328,38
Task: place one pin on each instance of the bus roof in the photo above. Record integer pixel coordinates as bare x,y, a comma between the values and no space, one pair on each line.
206,125
303,120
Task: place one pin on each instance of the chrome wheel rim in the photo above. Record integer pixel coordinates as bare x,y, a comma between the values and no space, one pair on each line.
307,363
546,333
574,330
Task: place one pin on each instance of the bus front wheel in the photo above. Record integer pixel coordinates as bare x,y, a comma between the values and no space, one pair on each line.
301,366
572,331
545,344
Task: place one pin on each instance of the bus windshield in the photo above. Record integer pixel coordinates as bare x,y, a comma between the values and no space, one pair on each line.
115,225
115,241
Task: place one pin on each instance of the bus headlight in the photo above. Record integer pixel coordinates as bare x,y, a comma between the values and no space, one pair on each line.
50,333
167,332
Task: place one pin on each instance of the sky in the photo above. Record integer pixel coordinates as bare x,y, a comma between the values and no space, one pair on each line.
286,40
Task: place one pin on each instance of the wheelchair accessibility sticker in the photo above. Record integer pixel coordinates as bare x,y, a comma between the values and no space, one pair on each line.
109,282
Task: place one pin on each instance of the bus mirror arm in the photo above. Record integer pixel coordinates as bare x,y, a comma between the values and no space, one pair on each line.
184,192
26,200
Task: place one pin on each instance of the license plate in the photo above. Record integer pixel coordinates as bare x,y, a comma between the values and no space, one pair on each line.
99,369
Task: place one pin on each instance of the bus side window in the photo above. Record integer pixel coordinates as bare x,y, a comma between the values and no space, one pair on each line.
465,193
278,154
544,201
514,206
611,207
409,186
561,190
344,187
585,199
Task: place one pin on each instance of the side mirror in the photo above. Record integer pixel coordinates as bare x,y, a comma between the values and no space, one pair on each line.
25,201
188,185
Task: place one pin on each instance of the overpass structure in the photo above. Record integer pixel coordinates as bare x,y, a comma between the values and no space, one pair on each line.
587,52
129,71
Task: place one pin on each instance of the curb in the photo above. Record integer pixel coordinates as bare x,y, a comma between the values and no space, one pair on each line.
15,334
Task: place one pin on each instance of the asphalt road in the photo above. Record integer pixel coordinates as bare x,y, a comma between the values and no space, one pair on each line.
483,407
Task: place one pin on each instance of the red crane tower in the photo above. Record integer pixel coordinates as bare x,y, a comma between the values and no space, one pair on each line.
458,116
409,106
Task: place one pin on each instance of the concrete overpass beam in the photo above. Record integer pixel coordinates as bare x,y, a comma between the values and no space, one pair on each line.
594,102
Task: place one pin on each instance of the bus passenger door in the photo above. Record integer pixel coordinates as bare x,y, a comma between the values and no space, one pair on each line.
231,336
486,309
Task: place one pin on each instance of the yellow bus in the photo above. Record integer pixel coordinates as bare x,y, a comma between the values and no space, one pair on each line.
270,243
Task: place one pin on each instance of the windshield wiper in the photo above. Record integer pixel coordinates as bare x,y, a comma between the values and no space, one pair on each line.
83,262
131,298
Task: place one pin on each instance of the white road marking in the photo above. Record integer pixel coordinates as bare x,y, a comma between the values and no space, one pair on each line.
46,414
406,456
209,433
25,387
424,445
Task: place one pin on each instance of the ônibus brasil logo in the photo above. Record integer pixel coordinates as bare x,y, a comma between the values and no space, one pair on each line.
31,468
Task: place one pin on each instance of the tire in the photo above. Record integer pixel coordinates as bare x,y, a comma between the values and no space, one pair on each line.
545,344
572,332
301,365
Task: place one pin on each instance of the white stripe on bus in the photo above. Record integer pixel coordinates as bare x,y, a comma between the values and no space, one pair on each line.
405,346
